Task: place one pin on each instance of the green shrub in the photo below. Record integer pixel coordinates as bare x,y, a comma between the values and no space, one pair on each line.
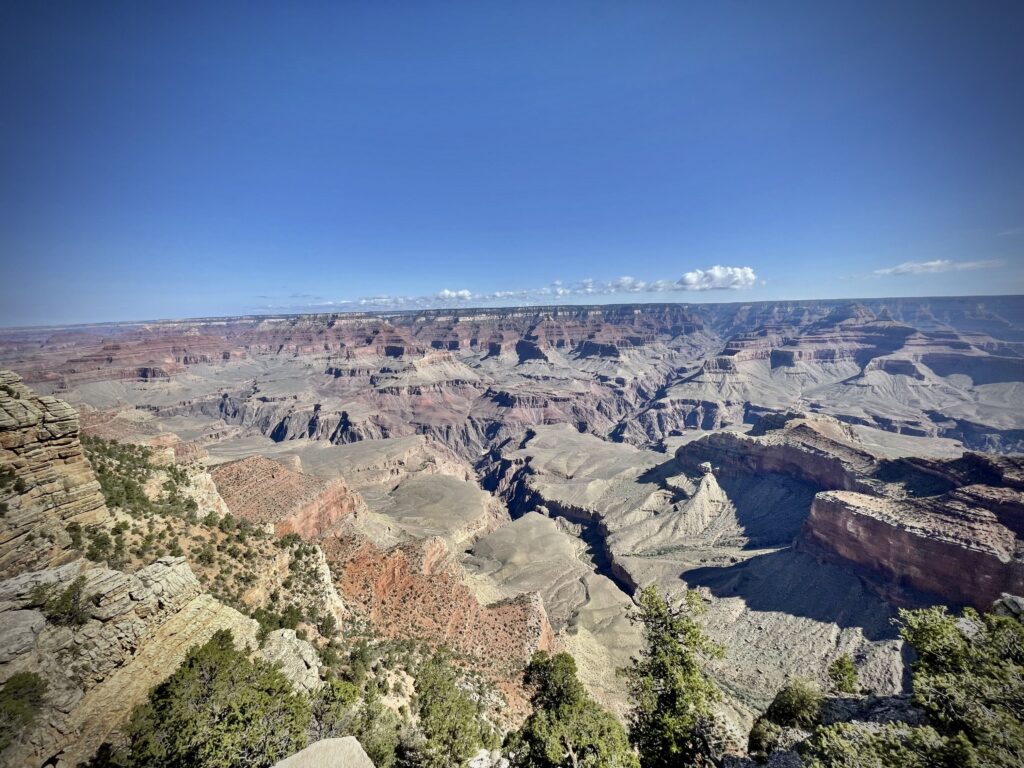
764,736
673,717
218,710
67,606
447,716
332,709
797,705
75,531
893,745
21,698
378,730
328,625
567,727
842,675
969,678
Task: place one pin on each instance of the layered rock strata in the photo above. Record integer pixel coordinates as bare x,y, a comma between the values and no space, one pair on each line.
136,631
267,493
47,482
909,523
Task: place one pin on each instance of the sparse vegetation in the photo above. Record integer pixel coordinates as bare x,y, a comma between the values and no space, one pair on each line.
21,698
969,680
842,675
67,606
567,727
218,710
673,721
797,705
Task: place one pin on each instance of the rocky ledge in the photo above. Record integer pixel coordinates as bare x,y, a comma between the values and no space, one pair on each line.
906,523
135,630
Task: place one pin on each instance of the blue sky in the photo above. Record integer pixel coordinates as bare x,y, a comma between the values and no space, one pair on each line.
183,159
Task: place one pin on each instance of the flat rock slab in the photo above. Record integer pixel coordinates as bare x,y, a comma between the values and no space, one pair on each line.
329,753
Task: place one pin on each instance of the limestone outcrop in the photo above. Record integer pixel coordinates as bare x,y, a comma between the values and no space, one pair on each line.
135,632
296,658
47,482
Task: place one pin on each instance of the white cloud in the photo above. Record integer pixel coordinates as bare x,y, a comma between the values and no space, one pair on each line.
718,278
447,295
936,265
712,279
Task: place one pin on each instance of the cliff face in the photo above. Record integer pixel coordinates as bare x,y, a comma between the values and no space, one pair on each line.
48,482
819,452
266,492
953,546
138,629
950,528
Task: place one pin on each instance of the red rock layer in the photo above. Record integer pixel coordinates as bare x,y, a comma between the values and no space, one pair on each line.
947,547
416,590
264,492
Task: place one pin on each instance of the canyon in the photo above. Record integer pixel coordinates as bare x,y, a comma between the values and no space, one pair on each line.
501,481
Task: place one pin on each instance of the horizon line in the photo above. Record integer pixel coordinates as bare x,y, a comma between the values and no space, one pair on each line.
449,310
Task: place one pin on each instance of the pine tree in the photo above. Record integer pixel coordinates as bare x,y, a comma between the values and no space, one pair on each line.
672,722
567,727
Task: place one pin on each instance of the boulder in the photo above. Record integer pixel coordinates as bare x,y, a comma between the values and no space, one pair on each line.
297,659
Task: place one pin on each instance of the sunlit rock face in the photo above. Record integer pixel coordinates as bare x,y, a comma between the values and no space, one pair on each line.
48,482
136,632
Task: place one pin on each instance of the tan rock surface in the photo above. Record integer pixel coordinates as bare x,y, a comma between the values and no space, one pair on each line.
39,444
139,628
345,752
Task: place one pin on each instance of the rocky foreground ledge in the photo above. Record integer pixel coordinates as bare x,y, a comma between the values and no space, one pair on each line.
136,630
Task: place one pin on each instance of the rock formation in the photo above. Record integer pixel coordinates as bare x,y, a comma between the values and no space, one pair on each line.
416,590
471,378
267,493
47,484
506,478
136,631
296,658
345,752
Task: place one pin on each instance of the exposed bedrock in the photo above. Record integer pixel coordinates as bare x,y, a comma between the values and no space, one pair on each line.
952,546
47,483
725,531
138,629
268,493
820,452
416,590
907,523
638,374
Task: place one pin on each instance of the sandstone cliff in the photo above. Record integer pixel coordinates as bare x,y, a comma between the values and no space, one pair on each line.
956,546
47,481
